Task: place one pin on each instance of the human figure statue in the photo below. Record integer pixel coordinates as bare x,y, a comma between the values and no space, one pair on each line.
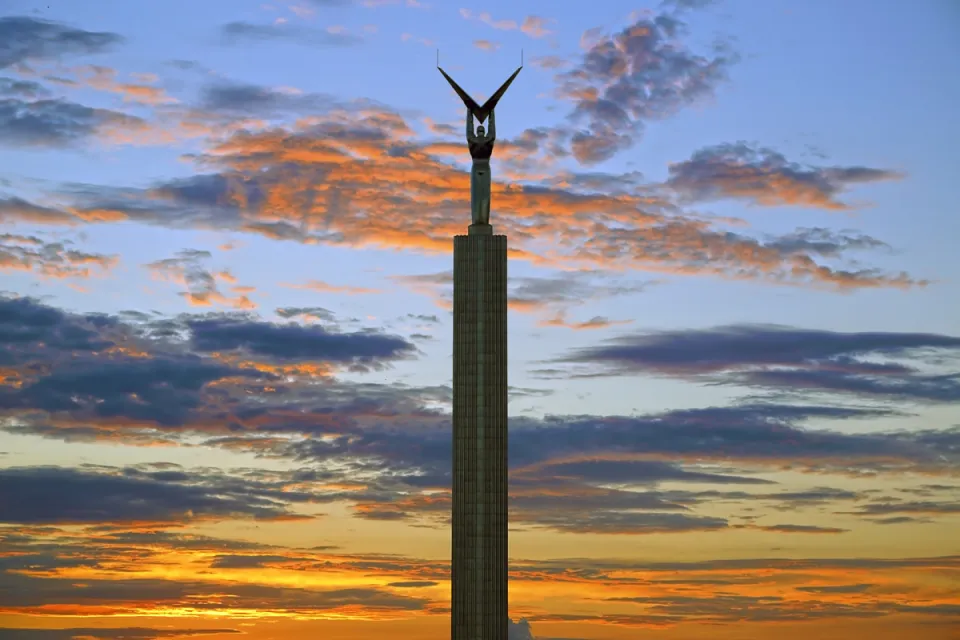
481,148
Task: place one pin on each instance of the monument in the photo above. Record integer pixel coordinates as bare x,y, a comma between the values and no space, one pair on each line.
478,571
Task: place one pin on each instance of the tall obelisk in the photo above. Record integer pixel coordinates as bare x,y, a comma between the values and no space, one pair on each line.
479,562
478,572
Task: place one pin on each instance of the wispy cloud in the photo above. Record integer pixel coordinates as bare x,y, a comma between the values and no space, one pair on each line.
51,259
870,365
533,26
642,73
25,39
61,123
203,285
764,177
235,33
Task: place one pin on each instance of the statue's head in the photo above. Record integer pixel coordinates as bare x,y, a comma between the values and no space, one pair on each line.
481,131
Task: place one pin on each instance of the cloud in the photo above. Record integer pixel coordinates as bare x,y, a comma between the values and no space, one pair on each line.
872,365
327,178
533,26
641,74
203,286
50,259
58,495
765,177
106,79
486,45
127,572
60,123
798,528
309,313
549,63
29,594
146,374
890,508
22,88
235,382
245,99
298,343
553,297
237,33
840,588
108,633
519,630
324,287
249,561
634,472
536,26
26,39
596,322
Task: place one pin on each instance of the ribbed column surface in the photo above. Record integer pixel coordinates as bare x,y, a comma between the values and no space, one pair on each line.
479,558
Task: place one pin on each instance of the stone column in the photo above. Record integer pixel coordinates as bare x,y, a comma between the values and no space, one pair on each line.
479,553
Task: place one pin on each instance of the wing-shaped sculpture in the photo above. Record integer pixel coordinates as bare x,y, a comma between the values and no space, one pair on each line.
481,113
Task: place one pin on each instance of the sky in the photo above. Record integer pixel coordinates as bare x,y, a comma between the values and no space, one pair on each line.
225,316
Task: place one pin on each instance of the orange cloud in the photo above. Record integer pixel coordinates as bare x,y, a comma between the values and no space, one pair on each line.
324,287
358,179
596,322
486,45
50,259
202,285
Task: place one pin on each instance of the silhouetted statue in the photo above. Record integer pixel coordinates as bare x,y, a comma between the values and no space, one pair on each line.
481,148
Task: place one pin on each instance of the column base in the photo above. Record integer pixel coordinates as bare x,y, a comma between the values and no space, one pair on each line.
480,230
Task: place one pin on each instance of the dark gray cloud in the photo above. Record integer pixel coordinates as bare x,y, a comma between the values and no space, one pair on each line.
627,522
31,331
637,472
797,528
567,290
101,380
244,99
765,177
413,584
57,123
14,208
58,495
110,633
139,378
25,593
641,74
22,88
824,242
718,608
235,33
24,39
881,365
293,342
923,508
839,588
162,390
250,562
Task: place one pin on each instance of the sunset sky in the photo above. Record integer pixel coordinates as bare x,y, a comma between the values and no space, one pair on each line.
225,316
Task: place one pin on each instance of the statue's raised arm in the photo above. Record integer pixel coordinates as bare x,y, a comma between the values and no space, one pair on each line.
493,125
471,136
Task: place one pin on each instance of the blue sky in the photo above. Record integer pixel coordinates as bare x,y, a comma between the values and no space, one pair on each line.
225,236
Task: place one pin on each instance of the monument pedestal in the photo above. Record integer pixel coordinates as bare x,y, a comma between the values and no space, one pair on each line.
479,558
